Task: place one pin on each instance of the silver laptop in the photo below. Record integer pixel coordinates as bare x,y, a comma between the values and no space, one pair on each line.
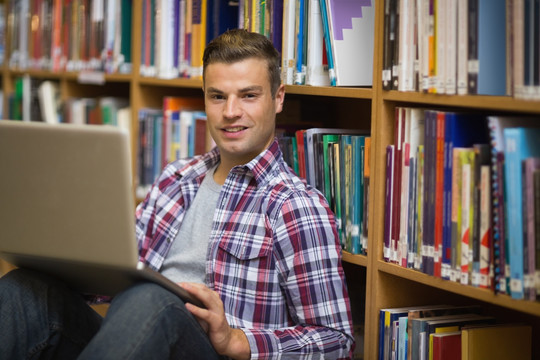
67,207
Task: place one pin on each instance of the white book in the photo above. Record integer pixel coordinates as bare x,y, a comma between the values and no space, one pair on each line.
316,72
166,69
451,47
351,28
422,18
407,49
462,46
287,52
48,95
441,28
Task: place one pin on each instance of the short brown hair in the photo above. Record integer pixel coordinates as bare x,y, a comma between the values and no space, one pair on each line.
237,45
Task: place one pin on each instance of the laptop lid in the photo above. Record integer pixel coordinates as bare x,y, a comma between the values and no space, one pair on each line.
67,208
66,193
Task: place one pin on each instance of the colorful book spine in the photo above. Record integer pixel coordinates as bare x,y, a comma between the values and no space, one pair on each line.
520,143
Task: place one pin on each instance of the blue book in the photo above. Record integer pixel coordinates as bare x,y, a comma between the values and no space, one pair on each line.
300,68
492,47
327,42
222,16
520,143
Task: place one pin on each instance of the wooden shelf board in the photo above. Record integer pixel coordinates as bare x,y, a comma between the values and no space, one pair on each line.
344,92
178,82
486,295
360,260
477,102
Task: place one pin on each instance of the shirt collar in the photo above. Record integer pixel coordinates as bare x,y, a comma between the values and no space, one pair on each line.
262,166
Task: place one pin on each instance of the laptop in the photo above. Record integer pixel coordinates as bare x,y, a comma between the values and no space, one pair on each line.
67,206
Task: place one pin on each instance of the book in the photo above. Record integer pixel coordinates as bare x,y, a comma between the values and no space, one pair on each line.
387,248
472,46
402,237
300,42
365,214
198,37
536,181
399,138
480,218
462,47
407,48
389,39
287,52
419,212
491,39
348,171
447,346
497,342
520,143
327,33
357,191
466,162
451,51
316,69
518,50
439,192
422,44
351,25
222,15
430,148
529,166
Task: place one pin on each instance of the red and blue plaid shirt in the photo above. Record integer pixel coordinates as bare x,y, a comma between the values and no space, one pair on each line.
273,255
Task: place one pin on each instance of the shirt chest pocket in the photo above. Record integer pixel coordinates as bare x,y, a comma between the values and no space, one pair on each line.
249,243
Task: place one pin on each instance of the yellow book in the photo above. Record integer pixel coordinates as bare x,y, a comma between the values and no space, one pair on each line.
498,342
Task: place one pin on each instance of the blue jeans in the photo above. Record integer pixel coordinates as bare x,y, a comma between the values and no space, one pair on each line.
41,318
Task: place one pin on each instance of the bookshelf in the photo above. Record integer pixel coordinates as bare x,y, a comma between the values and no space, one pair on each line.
373,283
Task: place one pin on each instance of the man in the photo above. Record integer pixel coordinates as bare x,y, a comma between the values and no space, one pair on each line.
235,227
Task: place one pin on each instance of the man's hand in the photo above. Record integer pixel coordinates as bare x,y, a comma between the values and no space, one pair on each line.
226,340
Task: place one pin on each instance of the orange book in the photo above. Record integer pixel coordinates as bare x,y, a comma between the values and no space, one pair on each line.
198,37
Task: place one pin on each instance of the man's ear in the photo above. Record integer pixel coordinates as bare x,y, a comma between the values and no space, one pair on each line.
280,98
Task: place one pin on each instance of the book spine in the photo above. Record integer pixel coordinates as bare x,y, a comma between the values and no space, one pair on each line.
536,184
387,251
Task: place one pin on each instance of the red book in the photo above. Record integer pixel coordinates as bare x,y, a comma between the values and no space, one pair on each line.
301,153
447,346
439,192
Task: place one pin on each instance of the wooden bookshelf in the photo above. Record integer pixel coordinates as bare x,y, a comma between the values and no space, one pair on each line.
384,285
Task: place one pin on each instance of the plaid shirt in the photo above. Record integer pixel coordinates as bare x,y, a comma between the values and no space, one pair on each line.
273,256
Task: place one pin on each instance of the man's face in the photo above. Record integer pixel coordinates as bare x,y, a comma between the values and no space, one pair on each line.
240,109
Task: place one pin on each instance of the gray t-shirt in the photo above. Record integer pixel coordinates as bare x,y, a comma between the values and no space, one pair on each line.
186,260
